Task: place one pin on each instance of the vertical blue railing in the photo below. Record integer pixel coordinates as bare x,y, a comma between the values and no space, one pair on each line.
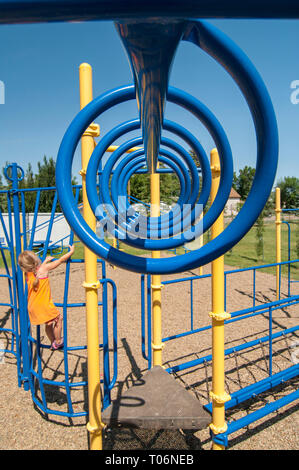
23,318
7,251
29,351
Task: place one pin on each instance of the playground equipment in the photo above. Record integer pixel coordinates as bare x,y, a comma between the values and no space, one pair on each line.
26,343
279,222
151,99
140,35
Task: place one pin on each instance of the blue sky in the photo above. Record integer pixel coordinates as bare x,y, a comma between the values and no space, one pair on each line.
39,67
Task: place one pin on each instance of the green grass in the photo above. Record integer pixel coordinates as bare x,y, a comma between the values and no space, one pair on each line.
243,255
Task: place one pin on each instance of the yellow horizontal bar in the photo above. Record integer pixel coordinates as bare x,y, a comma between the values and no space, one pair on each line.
112,148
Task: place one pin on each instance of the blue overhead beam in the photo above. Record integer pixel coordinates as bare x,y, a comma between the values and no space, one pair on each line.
37,11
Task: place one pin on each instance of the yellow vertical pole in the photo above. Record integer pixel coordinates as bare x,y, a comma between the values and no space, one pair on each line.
91,283
200,270
156,286
218,315
278,237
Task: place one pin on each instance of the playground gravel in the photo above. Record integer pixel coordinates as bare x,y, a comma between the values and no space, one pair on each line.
23,426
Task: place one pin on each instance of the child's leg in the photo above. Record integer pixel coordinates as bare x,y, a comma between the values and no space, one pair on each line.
49,332
57,328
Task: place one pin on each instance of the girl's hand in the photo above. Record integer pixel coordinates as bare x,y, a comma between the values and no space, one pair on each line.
72,249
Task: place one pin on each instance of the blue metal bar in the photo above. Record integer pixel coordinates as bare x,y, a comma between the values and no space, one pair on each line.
254,286
19,279
23,215
63,383
134,199
234,426
208,327
15,317
253,390
39,370
7,276
37,11
65,329
191,302
33,228
30,190
7,239
289,256
233,271
270,342
261,312
142,301
232,320
241,347
149,319
263,306
69,348
175,281
263,266
47,241
47,411
105,280
106,360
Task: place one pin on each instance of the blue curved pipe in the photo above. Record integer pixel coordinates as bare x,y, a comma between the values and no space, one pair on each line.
241,69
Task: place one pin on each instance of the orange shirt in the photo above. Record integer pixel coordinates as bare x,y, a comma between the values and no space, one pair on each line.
41,307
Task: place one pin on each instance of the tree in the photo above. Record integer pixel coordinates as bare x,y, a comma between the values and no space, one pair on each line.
29,183
3,201
140,187
260,229
45,177
289,192
242,183
169,187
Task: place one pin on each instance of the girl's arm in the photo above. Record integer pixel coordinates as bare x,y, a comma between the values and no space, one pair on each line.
50,265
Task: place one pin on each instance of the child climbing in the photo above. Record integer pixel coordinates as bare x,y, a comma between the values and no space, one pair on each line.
41,308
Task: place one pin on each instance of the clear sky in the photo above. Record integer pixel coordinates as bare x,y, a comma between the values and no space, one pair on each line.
39,68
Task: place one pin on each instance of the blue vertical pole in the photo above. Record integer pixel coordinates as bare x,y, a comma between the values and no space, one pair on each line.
15,294
254,288
24,230
107,394
270,341
20,286
142,299
38,193
191,301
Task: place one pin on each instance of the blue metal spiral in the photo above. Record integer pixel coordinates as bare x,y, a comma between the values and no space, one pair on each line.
173,229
